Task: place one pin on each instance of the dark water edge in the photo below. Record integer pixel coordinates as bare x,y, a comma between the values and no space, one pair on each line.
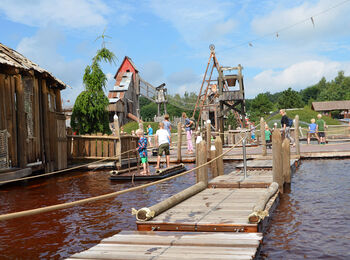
312,221
61,233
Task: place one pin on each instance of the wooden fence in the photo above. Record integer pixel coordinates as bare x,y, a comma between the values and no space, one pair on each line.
100,146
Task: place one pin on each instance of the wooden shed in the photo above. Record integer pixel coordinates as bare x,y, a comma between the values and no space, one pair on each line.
32,125
124,97
327,107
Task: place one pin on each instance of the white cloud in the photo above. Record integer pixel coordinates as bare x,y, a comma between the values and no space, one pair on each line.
67,13
296,76
197,21
42,49
184,81
328,24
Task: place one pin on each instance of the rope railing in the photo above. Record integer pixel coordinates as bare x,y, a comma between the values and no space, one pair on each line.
105,196
65,170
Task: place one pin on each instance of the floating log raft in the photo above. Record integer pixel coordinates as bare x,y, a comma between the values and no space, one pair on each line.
175,245
132,174
211,210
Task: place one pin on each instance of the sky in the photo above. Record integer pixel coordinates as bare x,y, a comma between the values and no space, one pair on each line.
276,42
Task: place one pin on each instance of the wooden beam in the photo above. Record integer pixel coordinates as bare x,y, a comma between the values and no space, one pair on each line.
21,125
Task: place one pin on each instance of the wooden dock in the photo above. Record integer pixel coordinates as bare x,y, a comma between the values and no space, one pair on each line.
219,210
175,245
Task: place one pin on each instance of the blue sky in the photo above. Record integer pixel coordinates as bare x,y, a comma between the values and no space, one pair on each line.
168,40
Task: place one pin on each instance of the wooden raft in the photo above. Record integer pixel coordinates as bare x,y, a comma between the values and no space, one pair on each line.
210,210
175,245
255,179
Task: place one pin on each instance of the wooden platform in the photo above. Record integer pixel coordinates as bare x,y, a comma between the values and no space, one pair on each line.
175,245
255,179
211,210
265,164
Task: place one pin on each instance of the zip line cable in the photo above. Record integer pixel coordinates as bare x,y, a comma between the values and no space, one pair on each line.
276,33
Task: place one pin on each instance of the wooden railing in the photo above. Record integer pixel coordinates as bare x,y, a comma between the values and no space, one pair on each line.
100,146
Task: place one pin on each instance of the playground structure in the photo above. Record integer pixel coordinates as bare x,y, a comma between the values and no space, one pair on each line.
218,96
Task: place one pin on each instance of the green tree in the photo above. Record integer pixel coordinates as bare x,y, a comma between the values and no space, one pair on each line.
89,112
290,99
260,106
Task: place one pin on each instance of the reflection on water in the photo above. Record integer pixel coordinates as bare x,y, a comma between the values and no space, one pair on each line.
59,234
312,221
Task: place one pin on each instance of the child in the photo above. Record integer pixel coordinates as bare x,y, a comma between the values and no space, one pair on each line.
312,131
142,149
150,133
320,129
252,131
267,136
163,139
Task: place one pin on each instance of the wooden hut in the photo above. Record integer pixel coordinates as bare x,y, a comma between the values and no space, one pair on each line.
32,125
326,107
124,97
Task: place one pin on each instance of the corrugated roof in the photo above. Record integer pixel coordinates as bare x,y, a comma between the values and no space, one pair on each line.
331,105
13,58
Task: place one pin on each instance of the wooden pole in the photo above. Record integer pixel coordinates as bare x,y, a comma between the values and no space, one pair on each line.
144,214
277,159
208,137
262,134
296,135
214,167
117,146
219,161
179,141
286,160
202,159
21,124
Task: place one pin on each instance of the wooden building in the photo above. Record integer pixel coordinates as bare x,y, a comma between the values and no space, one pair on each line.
124,97
326,107
32,125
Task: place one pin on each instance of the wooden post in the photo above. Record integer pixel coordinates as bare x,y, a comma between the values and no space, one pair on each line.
286,160
117,146
219,161
208,138
277,159
179,140
202,159
214,167
141,126
296,135
262,134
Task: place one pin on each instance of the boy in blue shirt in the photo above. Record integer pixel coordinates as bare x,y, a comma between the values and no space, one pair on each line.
312,131
142,149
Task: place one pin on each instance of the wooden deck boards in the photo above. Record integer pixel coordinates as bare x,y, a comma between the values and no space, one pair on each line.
255,179
175,245
220,210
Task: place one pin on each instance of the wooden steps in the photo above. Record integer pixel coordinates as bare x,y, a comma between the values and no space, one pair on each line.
175,245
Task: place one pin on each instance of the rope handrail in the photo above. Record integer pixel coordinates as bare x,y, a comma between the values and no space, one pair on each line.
105,196
65,170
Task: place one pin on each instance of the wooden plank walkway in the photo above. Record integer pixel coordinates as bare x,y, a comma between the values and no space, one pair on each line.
255,179
175,245
222,209
263,164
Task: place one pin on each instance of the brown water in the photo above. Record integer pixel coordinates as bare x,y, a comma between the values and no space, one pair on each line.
313,220
58,234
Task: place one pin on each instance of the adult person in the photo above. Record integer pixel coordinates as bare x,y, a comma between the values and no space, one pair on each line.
162,138
167,124
321,125
188,124
312,131
285,125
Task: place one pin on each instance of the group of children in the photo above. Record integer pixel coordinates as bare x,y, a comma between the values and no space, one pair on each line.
317,129
162,138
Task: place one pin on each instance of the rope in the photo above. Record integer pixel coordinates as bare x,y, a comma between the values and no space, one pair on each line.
105,196
63,170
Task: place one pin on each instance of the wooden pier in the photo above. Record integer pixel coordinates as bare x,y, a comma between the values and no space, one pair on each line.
175,245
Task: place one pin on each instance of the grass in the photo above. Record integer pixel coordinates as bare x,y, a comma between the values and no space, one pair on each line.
305,115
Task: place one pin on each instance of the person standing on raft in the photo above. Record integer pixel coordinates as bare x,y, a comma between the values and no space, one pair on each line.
162,138
142,149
